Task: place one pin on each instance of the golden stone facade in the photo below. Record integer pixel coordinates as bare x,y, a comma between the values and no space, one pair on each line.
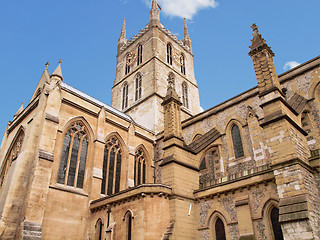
152,165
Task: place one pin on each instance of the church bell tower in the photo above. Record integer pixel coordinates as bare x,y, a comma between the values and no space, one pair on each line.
144,64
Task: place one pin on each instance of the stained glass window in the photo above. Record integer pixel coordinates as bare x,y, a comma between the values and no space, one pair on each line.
140,168
73,156
237,142
111,171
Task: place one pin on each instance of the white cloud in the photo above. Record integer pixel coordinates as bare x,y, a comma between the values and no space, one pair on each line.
290,65
184,8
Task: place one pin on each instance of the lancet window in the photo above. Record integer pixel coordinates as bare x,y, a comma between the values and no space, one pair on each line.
128,63
140,167
182,64
274,216
139,58
99,230
237,142
125,96
138,87
73,156
185,102
220,230
169,53
111,167
128,218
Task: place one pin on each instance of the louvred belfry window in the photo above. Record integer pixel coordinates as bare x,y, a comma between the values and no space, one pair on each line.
182,64
111,167
169,53
138,87
237,142
139,58
185,101
139,168
125,96
73,156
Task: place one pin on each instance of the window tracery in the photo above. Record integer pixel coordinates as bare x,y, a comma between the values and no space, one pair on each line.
111,167
140,168
73,156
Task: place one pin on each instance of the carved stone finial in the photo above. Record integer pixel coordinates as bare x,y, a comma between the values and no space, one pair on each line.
47,64
60,61
255,28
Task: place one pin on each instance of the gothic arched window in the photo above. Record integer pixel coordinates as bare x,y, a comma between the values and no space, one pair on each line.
8,166
209,168
73,156
140,167
274,216
182,64
169,53
128,221
139,58
237,142
185,102
125,96
128,63
138,87
99,228
111,167
219,230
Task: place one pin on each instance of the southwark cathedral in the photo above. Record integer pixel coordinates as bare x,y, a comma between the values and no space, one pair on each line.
154,166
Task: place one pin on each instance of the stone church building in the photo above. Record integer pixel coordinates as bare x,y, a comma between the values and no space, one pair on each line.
153,165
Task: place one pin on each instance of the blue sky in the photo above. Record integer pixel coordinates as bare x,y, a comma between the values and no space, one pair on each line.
84,35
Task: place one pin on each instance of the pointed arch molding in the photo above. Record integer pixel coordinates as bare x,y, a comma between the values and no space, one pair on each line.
214,214
314,90
144,150
20,131
122,143
128,212
87,125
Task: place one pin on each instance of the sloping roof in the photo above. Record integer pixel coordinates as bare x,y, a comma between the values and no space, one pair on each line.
204,141
99,103
297,102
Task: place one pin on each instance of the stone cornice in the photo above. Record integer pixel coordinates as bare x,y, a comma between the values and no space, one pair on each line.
131,194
